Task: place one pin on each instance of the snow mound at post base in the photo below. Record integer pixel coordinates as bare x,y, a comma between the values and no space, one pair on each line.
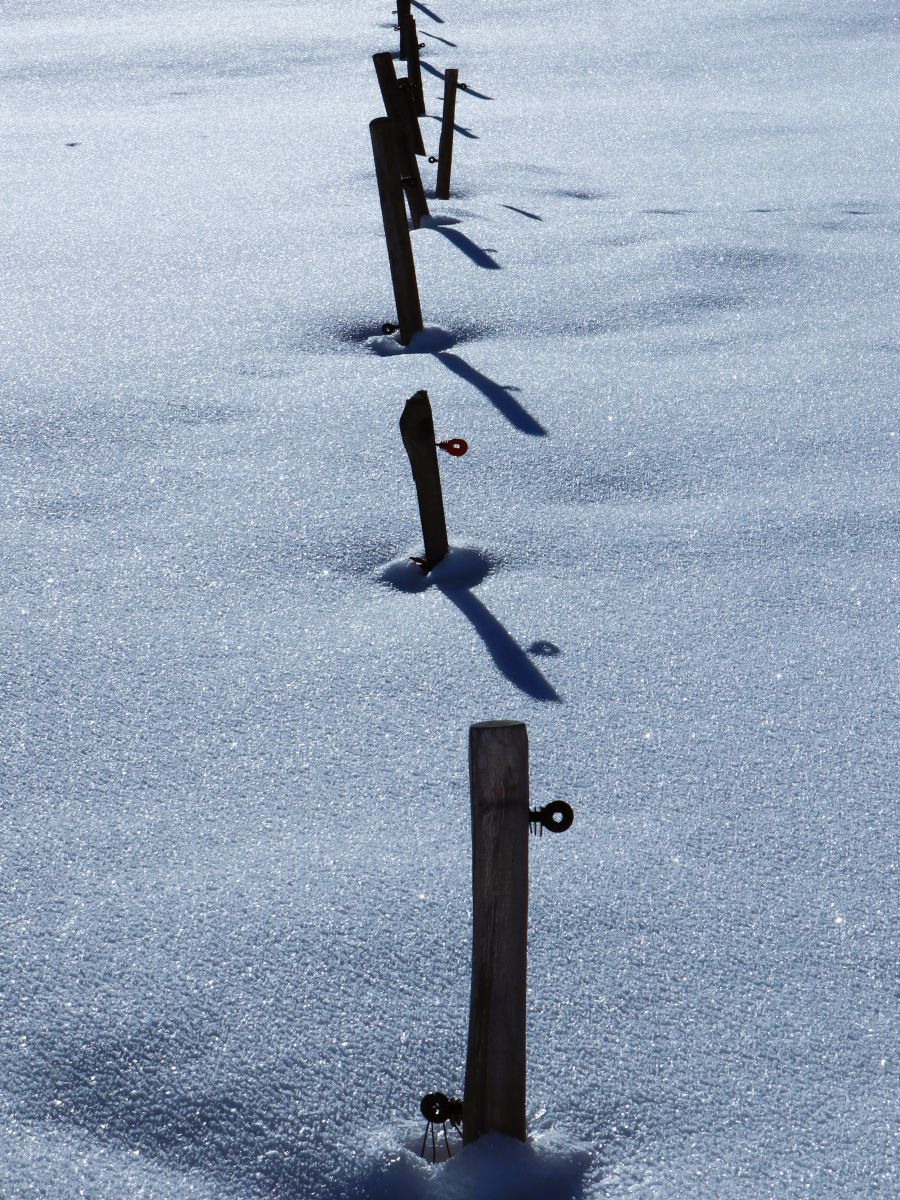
463,567
549,1166
429,340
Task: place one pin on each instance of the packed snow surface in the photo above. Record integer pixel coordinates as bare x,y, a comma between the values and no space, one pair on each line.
661,308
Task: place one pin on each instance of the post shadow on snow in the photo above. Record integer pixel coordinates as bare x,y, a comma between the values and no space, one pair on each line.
461,129
470,91
436,38
523,211
427,11
455,577
509,657
475,253
501,397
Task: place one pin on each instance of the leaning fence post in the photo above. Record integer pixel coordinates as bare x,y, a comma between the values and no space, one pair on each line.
413,66
494,1097
396,229
400,113
445,147
417,431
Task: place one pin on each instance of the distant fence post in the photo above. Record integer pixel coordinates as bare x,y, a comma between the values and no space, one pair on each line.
404,12
445,148
400,113
413,66
396,229
417,431
494,1096
408,103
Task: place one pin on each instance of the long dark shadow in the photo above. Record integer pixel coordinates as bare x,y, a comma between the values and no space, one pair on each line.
427,12
509,657
470,91
501,397
522,211
426,66
471,249
466,133
435,37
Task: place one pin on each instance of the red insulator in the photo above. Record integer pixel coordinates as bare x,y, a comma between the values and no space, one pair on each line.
456,446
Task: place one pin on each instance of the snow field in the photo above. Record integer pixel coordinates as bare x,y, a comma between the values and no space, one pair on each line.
235,891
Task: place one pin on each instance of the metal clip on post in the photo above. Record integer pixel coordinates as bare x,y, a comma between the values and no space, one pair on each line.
438,1108
556,817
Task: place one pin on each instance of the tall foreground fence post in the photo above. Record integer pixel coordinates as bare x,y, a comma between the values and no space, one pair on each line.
445,148
494,1100
494,1097
396,228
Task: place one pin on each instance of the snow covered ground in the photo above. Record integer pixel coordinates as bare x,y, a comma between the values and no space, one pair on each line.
234,900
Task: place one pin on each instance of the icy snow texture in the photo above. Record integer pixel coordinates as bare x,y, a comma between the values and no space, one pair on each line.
235,865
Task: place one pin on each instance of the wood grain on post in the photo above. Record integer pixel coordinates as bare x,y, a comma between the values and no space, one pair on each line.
396,229
413,66
400,113
445,149
404,12
417,431
494,1097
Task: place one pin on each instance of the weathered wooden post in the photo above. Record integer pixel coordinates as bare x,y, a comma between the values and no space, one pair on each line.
445,147
494,1099
396,229
417,431
494,1096
413,66
400,113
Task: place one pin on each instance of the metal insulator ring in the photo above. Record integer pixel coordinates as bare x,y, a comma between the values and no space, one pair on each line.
435,1107
555,817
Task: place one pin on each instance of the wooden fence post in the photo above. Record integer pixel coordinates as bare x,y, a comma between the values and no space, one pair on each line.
408,103
400,114
445,148
417,431
494,1097
413,66
404,12
396,230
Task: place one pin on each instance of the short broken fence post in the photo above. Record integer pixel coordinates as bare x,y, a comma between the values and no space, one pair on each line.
445,148
398,109
396,229
413,66
417,431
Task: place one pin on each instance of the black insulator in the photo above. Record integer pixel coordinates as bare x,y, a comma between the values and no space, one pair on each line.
435,1107
555,817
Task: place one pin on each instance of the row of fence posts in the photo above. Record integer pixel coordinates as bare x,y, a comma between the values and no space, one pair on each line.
494,1093
397,145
